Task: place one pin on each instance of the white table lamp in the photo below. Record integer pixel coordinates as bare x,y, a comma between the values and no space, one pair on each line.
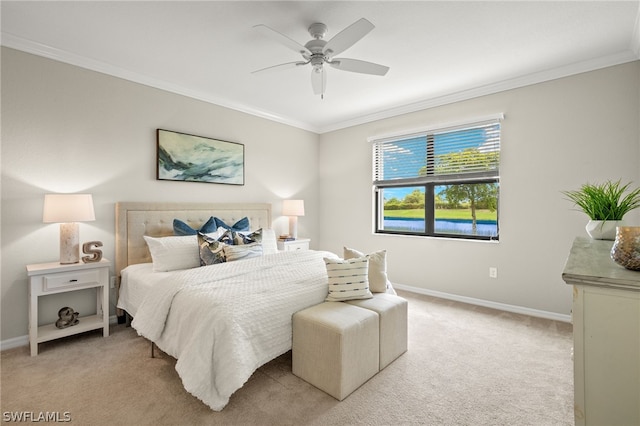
68,210
293,209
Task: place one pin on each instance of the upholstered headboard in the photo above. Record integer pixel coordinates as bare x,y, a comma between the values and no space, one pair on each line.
134,220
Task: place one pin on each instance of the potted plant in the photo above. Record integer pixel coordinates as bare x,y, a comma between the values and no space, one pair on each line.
605,205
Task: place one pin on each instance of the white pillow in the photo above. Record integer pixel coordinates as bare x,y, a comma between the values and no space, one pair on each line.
378,280
348,279
243,251
269,243
172,253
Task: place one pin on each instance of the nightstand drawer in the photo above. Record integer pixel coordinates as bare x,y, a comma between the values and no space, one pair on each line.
292,246
70,279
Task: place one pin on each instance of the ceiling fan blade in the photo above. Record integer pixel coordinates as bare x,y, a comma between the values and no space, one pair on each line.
282,39
280,67
355,65
348,37
318,81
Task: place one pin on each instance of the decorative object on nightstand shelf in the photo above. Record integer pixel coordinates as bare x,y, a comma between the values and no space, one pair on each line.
67,317
293,209
68,210
90,248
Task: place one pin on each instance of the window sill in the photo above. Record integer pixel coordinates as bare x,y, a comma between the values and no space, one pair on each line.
430,237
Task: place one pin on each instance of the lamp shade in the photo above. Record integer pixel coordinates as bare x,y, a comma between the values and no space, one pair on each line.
64,208
293,207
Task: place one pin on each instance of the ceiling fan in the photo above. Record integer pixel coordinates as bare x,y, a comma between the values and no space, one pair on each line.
318,52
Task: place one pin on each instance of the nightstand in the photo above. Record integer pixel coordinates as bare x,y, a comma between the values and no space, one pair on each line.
54,278
299,244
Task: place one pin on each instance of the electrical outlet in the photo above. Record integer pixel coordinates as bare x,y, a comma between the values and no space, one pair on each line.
493,272
112,282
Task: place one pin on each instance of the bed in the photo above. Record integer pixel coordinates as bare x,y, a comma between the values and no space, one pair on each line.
221,322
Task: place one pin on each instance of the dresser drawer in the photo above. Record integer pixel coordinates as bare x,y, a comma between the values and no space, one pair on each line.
70,279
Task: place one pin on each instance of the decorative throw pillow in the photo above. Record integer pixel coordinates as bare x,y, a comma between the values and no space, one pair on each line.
245,251
211,250
227,237
266,236
239,238
181,228
241,225
172,253
348,279
234,238
378,280
253,237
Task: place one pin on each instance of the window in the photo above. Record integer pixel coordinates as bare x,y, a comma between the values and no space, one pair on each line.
442,182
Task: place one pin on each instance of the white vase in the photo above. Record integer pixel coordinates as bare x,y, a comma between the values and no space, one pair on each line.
603,229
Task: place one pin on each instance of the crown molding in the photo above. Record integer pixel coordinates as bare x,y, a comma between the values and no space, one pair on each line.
18,43
39,49
489,89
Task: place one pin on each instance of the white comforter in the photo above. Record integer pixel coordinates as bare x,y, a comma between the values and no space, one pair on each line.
222,322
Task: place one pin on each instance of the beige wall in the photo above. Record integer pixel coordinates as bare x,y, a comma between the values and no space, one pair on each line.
555,136
66,129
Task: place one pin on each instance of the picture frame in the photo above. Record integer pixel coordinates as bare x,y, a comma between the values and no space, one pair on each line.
190,158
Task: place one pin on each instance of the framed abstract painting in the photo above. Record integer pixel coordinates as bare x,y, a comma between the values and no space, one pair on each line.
192,158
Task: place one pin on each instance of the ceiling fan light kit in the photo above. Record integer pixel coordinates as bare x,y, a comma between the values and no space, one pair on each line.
318,52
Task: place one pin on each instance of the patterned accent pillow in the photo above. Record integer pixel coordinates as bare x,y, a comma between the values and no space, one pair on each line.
245,251
211,250
181,228
241,225
228,237
254,237
348,279
378,280
239,238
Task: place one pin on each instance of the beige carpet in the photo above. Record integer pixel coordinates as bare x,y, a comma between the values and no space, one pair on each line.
466,365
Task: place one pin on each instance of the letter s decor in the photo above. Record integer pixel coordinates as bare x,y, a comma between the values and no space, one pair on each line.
90,248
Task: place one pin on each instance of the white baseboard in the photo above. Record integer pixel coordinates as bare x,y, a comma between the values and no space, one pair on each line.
487,303
16,342
24,340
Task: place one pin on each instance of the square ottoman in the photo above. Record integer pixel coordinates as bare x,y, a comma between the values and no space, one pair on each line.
335,347
392,310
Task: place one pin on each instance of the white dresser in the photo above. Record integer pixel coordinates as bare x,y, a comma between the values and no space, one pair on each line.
606,335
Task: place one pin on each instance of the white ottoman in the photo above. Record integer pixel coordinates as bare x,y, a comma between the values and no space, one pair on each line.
392,310
335,347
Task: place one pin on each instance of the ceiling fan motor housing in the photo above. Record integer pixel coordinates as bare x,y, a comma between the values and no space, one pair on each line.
316,46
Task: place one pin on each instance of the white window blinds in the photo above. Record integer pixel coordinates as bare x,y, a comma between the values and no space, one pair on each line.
460,153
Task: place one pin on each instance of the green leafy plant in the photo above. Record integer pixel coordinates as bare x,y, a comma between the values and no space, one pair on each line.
605,201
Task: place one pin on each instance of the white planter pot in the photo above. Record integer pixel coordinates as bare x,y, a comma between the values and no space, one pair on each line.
603,229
